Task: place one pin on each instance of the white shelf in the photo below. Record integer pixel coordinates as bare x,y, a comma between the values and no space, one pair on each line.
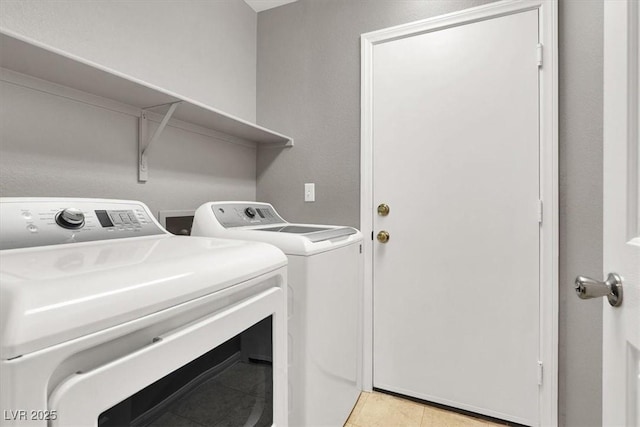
34,59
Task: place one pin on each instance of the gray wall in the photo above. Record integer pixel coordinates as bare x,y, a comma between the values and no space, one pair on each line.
581,82
51,146
309,88
204,50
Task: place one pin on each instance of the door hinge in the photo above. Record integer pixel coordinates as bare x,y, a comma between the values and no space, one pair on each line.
371,234
540,372
540,211
539,54
360,248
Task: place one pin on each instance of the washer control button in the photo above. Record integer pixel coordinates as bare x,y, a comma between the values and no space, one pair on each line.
250,212
70,218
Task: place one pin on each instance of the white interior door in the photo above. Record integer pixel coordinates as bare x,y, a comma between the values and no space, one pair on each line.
456,158
621,340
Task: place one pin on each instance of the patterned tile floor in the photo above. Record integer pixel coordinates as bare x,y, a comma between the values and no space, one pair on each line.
383,410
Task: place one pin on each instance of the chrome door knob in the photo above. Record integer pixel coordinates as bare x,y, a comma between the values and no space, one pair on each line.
588,288
383,236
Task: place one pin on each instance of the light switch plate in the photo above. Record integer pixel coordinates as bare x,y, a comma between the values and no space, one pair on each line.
309,192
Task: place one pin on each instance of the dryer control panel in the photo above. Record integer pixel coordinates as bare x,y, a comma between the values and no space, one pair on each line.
236,214
32,222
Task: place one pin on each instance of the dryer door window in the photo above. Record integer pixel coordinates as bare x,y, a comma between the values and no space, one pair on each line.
226,369
229,385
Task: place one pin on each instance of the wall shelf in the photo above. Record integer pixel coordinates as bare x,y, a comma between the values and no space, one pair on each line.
22,55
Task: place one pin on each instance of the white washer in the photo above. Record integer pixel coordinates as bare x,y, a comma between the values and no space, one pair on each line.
104,312
324,297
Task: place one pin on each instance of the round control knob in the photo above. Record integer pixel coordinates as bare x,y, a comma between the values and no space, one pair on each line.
250,212
70,218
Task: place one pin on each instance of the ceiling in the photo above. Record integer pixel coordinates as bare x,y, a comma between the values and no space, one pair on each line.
260,5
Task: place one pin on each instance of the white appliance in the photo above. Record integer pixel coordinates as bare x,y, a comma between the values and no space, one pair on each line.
324,304
107,319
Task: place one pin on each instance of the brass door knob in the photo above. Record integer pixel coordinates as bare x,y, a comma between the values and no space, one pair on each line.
383,236
383,209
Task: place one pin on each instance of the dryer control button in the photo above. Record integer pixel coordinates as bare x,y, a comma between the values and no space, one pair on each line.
250,212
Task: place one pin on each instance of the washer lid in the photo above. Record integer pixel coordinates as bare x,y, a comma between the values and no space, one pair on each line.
313,233
53,294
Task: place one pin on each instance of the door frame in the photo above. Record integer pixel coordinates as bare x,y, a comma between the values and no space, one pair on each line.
548,114
621,234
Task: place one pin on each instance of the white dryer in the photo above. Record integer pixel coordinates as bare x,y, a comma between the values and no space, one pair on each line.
324,304
109,320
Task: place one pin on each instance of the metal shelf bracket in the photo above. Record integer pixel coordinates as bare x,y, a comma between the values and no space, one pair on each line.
145,143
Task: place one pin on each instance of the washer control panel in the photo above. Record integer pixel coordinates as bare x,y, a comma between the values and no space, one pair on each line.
234,214
31,222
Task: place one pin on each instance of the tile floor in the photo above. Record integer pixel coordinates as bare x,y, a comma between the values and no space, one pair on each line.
383,410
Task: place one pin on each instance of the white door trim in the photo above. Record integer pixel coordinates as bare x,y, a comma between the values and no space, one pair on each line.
548,75
621,230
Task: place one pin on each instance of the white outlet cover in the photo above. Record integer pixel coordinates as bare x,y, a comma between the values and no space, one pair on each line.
309,192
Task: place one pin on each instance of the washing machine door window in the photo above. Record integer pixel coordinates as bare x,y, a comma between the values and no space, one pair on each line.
200,374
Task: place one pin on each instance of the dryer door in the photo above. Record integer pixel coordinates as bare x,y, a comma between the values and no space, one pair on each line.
141,389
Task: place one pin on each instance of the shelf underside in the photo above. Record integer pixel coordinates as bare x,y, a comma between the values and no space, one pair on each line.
61,68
